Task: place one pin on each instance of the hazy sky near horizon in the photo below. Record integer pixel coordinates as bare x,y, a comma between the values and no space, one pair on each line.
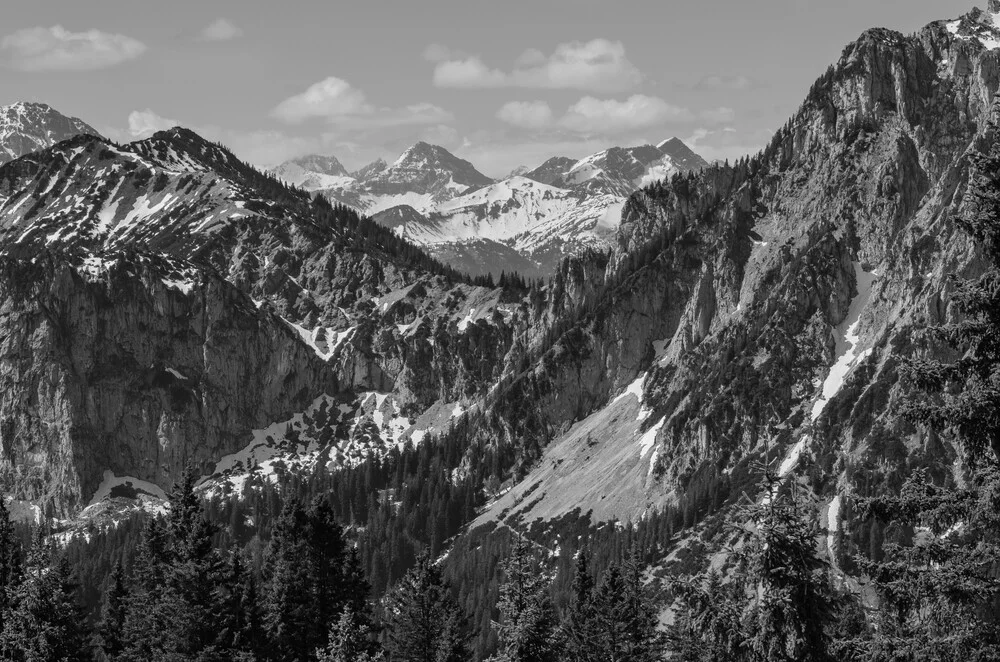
499,83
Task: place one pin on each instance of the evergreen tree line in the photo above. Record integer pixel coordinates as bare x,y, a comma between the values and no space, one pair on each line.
185,599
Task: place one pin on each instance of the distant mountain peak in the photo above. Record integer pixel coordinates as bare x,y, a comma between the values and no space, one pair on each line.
29,126
519,171
434,166
313,171
370,170
673,143
324,165
682,156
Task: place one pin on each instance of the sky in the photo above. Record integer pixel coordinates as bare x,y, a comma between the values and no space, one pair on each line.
501,84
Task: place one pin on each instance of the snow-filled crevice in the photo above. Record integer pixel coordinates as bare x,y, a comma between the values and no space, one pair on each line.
848,357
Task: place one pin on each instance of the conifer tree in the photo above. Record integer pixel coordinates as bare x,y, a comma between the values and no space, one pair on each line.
114,613
172,607
351,640
45,622
706,626
779,604
624,621
11,566
527,629
290,609
579,628
423,623
791,600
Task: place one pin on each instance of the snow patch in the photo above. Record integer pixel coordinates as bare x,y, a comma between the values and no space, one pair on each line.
110,481
324,342
792,458
649,438
847,341
833,523
464,323
183,286
635,388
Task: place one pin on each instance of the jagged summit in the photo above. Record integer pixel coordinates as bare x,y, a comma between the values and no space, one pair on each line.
27,127
327,165
424,158
552,170
313,171
370,170
979,25
683,156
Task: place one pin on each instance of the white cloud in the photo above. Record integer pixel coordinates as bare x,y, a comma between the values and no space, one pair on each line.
332,97
468,73
58,49
144,123
606,116
221,29
526,114
598,65
339,103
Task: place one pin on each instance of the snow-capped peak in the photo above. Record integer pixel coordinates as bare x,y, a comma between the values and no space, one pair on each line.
427,167
370,170
27,127
682,156
324,165
314,172
980,25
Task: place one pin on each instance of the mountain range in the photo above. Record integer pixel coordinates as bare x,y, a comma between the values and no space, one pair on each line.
165,305
527,222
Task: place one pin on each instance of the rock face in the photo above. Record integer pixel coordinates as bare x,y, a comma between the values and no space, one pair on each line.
117,364
29,127
760,310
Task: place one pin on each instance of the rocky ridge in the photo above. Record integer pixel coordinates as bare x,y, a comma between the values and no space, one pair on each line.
29,127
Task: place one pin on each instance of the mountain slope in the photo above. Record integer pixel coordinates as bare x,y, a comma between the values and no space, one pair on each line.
29,127
369,312
760,311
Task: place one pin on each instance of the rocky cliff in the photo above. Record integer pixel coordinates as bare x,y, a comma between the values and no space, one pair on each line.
135,365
